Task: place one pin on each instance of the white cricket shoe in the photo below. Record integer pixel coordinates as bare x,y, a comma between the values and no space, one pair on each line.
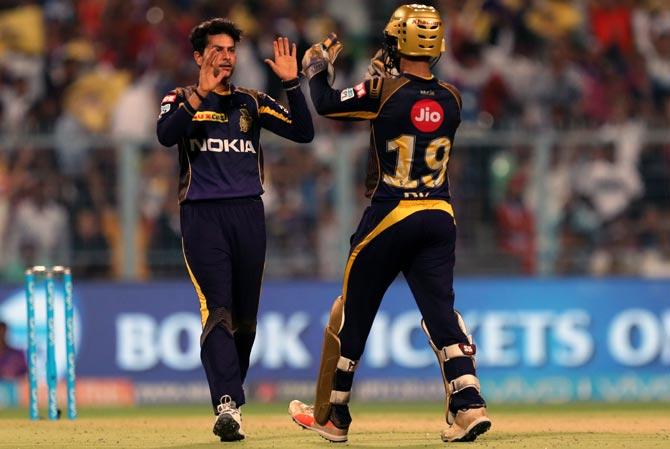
467,426
228,423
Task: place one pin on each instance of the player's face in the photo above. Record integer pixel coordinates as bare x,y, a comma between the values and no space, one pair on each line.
226,57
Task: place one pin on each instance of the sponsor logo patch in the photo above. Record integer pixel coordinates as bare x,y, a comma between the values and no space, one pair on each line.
245,120
210,116
426,115
164,108
428,23
360,90
283,109
223,145
169,98
278,104
468,349
347,94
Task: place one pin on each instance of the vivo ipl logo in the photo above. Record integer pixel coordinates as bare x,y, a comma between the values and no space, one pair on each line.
427,115
13,312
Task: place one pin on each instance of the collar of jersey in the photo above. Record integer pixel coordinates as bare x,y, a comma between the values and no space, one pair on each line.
228,92
417,77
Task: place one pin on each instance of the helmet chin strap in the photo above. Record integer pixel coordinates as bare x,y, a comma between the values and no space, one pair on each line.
434,60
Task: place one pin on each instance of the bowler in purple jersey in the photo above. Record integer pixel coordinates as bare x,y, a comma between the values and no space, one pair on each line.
216,127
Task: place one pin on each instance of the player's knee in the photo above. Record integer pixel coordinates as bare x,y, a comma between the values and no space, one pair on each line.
218,318
245,327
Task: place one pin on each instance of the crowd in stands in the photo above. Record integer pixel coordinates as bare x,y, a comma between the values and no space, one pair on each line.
80,78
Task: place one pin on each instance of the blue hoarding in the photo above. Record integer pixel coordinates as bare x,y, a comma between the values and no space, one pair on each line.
538,340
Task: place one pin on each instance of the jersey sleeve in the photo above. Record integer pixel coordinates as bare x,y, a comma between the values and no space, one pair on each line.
174,119
294,123
360,102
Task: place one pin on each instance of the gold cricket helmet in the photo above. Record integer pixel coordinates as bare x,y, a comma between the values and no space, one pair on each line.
418,30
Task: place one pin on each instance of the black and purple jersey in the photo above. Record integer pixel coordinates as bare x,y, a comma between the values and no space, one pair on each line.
220,155
413,123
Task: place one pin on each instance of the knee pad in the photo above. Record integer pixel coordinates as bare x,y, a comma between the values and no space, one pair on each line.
331,360
446,353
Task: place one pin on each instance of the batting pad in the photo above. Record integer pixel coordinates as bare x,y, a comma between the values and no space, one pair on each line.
330,354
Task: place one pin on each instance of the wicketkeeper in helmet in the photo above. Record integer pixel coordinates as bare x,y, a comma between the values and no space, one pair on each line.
409,226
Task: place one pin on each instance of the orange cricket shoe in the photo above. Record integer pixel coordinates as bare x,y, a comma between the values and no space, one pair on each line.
303,415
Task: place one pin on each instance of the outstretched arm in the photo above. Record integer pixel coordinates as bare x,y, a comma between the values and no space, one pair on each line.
296,123
359,102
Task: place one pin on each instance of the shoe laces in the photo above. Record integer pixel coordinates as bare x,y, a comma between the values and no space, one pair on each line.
227,405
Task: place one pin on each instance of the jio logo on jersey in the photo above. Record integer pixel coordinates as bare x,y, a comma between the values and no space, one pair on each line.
427,115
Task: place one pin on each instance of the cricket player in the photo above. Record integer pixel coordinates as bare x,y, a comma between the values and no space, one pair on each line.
216,127
409,226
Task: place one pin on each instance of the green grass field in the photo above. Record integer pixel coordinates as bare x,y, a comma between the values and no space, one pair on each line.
406,426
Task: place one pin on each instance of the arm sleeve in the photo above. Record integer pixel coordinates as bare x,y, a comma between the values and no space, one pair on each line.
295,123
174,121
360,102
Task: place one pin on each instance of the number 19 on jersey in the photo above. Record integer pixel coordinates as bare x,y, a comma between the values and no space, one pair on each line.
436,159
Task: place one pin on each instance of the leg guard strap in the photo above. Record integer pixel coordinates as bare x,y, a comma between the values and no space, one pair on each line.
347,365
339,397
456,350
462,382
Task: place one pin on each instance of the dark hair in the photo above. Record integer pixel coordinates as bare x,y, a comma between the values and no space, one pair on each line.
199,33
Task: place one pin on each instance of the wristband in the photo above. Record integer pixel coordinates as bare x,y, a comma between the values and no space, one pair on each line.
198,95
188,108
291,84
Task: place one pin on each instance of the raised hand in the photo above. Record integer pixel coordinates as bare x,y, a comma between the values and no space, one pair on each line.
285,64
321,56
379,67
210,74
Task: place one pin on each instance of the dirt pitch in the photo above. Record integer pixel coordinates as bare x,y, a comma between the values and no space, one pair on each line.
405,426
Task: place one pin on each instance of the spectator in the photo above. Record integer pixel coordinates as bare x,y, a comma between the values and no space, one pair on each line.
74,74
91,249
42,221
610,186
481,88
654,243
654,168
12,361
611,25
516,226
